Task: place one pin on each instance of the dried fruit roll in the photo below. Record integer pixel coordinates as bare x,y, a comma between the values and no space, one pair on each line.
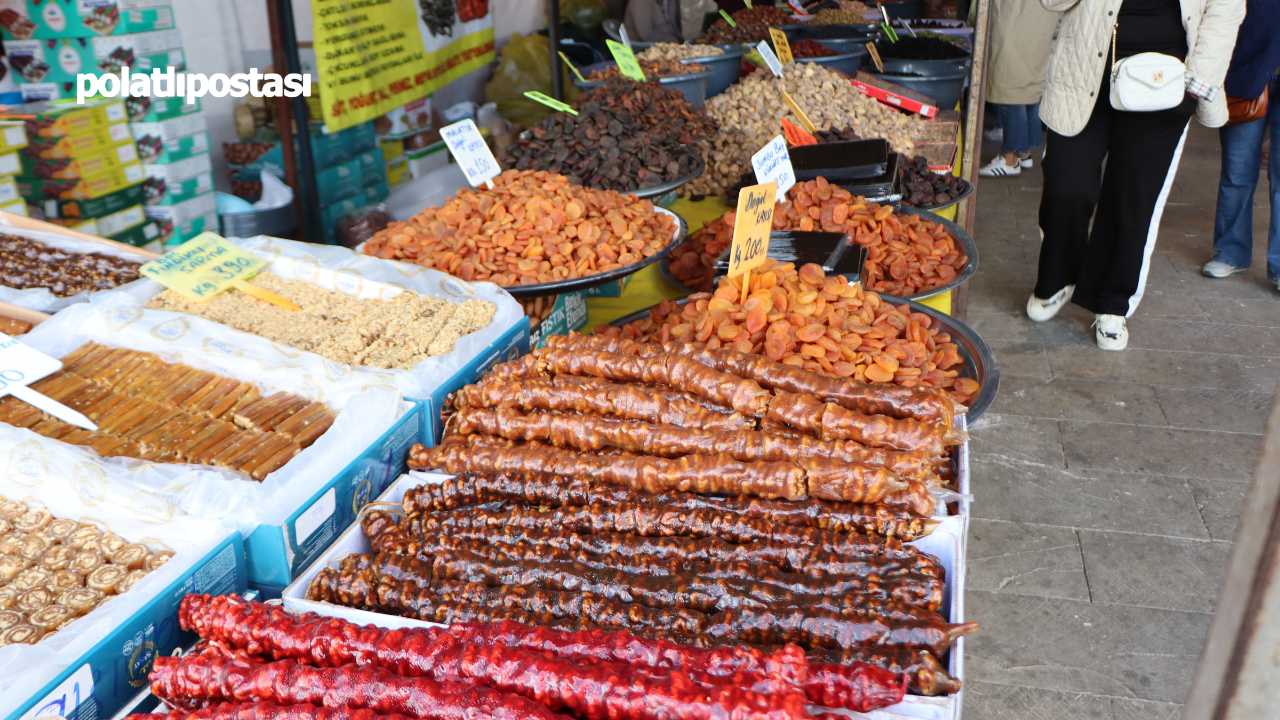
21,634
266,711
34,599
33,520
82,535
852,628
86,561
60,529
126,583
925,674
81,599
105,577
131,557
589,432
261,629
33,545
595,692
65,579
741,394
11,566
9,618
240,678
49,617
629,402
32,578
156,559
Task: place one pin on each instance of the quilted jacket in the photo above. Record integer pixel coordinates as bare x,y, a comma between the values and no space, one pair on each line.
1082,54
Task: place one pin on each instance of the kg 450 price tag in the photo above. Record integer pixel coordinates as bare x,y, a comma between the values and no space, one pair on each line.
203,267
471,151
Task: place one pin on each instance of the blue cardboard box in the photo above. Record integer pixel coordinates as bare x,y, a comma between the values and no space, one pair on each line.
115,670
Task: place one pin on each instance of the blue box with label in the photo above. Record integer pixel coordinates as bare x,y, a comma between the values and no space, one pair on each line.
41,19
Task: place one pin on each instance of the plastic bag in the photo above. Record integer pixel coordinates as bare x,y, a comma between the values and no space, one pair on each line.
359,225
526,65
75,487
337,268
585,15
366,407
41,298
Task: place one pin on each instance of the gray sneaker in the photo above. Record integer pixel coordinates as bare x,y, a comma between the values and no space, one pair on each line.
1219,269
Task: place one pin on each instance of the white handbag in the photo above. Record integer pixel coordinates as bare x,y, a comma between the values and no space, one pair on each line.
1146,82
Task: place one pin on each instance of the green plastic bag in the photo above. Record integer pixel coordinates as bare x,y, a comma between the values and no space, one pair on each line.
526,65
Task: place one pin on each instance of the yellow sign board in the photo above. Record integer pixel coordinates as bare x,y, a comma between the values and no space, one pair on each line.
780,45
203,266
751,227
627,63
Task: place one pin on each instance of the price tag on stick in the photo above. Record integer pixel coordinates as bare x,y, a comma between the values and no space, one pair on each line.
206,265
770,59
773,164
471,152
795,108
781,45
728,19
550,102
21,365
875,56
622,33
571,66
752,224
627,63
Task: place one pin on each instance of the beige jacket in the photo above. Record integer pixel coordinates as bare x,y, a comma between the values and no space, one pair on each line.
1021,37
1082,54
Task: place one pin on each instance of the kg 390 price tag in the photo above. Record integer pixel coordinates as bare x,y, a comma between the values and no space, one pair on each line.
203,267
752,224
470,151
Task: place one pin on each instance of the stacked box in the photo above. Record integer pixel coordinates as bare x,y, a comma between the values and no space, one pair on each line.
173,144
172,183
47,69
43,19
184,220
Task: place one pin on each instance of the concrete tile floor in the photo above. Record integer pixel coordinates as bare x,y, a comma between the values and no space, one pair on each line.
1108,485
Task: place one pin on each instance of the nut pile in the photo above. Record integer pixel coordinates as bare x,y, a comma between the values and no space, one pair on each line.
748,114
532,228
396,333
924,188
753,26
652,69
27,264
810,49
905,255
677,51
803,318
834,16
55,571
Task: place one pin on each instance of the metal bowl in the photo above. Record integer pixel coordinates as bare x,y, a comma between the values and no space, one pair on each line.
848,63
693,85
926,67
979,361
860,33
727,67
967,189
590,281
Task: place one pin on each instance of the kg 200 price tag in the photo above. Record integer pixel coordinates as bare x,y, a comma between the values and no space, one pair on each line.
203,267
470,151
751,227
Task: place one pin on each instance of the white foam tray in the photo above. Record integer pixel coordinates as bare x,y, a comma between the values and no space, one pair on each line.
947,543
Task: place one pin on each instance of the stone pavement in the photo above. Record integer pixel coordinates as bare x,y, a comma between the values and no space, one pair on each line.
1108,485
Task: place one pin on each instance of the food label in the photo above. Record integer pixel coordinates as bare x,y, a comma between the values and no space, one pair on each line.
65,698
550,102
571,66
313,517
751,227
627,63
781,45
470,151
773,164
875,56
728,19
797,136
203,266
770,59
21,364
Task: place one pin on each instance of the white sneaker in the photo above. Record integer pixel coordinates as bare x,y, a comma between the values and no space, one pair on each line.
998,168
1219,269
1112,332
1025,162
1041,310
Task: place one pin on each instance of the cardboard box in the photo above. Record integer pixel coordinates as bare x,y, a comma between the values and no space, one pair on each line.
94,208
9,192
88,165
176,233
339,182
155,109
10,163
94,139
43,19
568,312
407,120
156,152
398,171
118,222
62,119
145,236
373,169
376,193
177,182
17,207
327,149
183,211
34,61
164,130
392,148
330,213
13,136
95,186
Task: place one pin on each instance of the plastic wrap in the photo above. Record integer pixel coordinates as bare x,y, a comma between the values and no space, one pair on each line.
366,407
365,277
41,298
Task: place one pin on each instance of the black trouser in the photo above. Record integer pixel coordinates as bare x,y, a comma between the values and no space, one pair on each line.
1109,265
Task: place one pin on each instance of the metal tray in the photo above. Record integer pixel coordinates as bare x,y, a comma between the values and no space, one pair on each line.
967,190
563,286
979,361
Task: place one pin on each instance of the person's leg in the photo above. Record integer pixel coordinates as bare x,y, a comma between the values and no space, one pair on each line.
1144,152
1273,181
1035,131
1072,180
1016,132
1233,221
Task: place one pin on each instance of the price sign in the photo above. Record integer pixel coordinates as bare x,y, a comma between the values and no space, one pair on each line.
773,165
751,227
875,56
470,151
728,19
571,67
203,267
770,59
781,44
549,101
21,365
797,136
627,63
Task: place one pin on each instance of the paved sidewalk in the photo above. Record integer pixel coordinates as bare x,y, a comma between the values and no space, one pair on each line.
1108,485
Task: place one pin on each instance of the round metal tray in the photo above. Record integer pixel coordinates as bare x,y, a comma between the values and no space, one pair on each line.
979,361
966,242
590,281
966,191
663,189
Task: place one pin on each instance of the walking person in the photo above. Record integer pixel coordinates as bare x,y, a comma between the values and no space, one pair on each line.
1104,268
1021,37
1252,76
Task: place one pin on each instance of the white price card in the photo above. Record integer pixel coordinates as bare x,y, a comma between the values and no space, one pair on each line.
773,164
470,151
770,58
21,365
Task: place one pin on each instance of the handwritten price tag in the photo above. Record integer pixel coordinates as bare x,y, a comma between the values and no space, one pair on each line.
773,165
751,227
21,365
627,63
470,151
203,267
550,102
770,59
781,44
